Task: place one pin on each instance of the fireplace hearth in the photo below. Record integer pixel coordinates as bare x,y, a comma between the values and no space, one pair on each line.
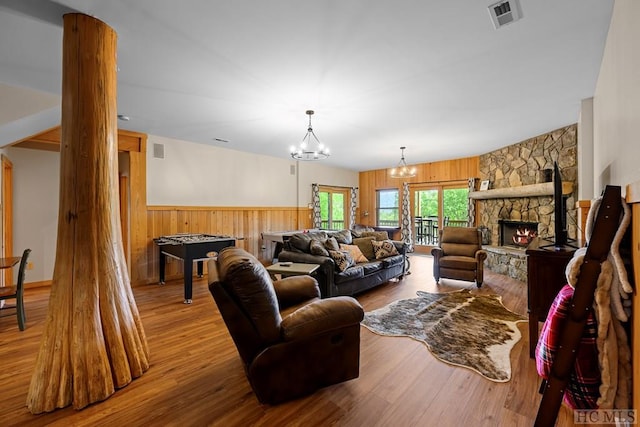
517,233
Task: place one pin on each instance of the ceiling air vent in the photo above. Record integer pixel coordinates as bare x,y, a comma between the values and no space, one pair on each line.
505,12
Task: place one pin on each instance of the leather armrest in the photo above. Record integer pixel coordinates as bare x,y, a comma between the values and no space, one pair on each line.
481,255
327,265
304,258
400,246
295,289
321,316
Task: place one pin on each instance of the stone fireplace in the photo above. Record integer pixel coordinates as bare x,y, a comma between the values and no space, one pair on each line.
515,200
517,233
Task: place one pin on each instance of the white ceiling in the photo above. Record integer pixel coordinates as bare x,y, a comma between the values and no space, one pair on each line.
435,77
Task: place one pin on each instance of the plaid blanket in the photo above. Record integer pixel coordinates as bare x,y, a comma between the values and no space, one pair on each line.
582,391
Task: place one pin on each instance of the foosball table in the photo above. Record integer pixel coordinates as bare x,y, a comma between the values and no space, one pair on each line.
190,248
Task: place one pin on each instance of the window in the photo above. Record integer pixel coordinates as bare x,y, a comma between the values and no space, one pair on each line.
387,208
333,205
455,206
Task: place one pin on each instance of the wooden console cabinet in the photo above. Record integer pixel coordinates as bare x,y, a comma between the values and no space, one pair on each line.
545,278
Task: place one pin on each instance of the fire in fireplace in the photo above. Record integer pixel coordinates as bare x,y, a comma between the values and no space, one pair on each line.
517,233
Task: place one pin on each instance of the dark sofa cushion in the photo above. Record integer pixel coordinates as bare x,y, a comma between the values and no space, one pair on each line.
351,273
378,235
392,260
372,267
342,236
317,247
357,229
332,244
302,241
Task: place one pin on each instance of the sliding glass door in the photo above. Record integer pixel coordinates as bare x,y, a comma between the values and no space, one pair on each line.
436,206
426,209
333,205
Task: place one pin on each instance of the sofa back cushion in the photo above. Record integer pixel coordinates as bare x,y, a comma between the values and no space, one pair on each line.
317,247
378,235
358,228
342,236
332,244
302,241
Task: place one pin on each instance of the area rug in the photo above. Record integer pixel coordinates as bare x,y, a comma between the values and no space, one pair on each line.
464,329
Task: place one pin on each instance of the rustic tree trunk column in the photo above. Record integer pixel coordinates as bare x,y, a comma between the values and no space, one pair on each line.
93,341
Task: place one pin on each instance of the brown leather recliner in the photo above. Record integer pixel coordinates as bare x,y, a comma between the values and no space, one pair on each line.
291,341
459,255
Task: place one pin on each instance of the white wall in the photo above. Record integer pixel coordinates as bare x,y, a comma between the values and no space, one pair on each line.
36,180
190,175
585,150
193,174
616,104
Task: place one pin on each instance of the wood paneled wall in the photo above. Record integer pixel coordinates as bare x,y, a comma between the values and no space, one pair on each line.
633,198
245,223
435,172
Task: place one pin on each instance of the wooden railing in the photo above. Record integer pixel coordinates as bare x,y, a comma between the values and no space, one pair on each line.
388,223
426,229
335,225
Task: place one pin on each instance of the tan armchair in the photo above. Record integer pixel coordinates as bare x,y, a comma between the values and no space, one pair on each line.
291,341
459,255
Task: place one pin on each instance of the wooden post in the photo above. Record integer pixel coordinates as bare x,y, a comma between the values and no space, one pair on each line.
93,340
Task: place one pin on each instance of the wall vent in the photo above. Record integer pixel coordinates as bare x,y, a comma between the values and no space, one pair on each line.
158,151
505,12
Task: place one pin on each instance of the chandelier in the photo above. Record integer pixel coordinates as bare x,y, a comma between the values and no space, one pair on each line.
402,170
310,149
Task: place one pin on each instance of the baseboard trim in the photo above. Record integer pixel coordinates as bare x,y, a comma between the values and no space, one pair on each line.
41,284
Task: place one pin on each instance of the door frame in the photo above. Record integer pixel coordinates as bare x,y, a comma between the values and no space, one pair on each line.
346,200
6,196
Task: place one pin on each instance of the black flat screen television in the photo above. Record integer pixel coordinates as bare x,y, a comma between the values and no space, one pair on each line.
561,236
560,210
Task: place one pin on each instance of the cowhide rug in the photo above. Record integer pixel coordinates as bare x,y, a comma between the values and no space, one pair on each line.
460,328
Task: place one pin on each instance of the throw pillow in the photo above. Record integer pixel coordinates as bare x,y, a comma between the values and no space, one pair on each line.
354,252
364,243
342,259
332,244
317,248
384,248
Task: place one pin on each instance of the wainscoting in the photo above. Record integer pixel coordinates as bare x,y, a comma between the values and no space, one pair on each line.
245,223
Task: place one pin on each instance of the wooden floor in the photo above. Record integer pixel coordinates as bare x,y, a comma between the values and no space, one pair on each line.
196,377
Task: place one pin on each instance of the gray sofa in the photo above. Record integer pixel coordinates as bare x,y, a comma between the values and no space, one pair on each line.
357,278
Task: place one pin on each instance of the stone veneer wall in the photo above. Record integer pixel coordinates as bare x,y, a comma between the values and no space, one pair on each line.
522,164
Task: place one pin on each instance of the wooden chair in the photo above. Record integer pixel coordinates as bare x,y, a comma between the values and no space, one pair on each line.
17,291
